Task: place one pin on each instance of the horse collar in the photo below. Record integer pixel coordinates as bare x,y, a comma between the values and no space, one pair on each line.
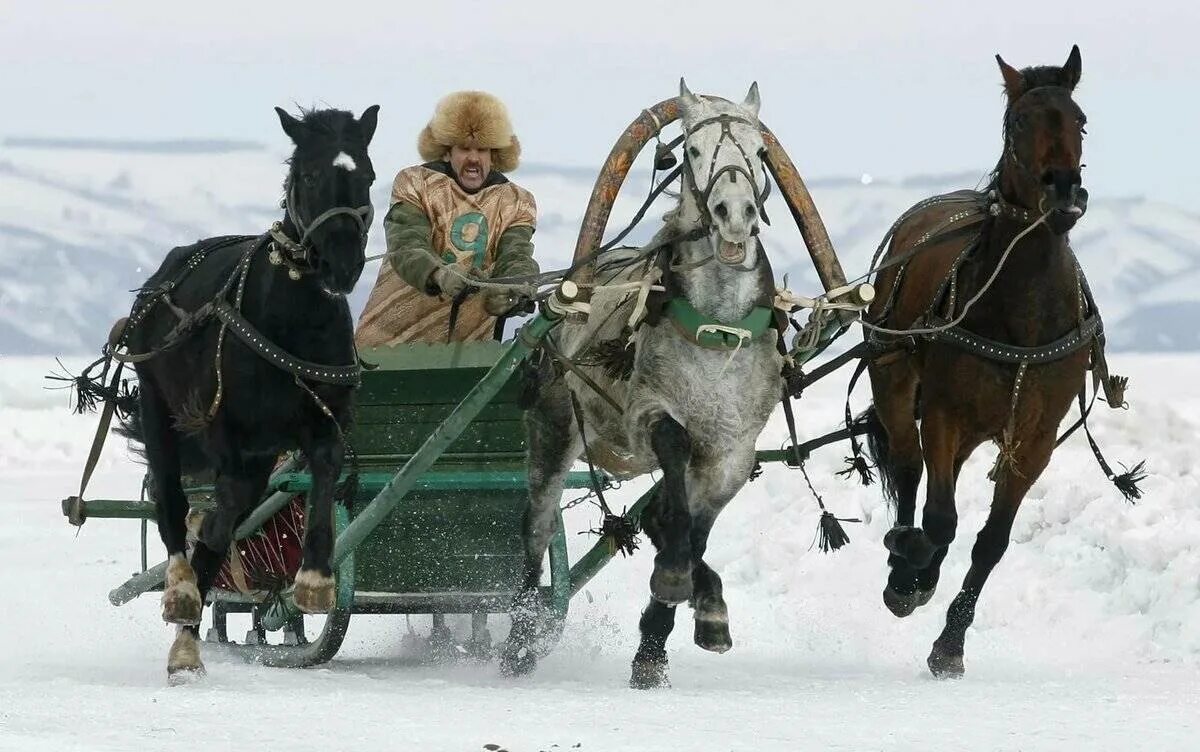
711,334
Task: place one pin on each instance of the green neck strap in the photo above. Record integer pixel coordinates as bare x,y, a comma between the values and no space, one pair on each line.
711,334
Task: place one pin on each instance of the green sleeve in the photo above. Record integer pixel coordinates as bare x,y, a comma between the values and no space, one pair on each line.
409,234
514,253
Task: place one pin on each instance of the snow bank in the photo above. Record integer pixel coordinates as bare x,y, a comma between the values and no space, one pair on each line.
1087,636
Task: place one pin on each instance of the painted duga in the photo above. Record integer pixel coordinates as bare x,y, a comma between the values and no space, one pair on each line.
224,408
1029,294
692,411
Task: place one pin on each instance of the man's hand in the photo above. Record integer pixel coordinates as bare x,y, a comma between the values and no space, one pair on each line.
500,302
450,281
497,302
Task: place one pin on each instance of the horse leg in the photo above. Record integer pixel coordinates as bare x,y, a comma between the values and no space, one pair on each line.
238,487
917,545
650,661
714,478
671,581
896,447
324,449
708,604
554,444
181,602
927,578
1013,482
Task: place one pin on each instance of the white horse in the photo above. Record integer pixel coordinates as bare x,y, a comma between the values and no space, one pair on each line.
705,378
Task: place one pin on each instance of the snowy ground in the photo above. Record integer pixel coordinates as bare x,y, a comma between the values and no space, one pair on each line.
1088,636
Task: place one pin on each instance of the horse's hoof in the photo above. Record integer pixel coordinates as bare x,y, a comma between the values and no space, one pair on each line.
183,661
517,661
671,587
181,604
713,635
314,592
944,665
900,604
649,673
924,596
911,544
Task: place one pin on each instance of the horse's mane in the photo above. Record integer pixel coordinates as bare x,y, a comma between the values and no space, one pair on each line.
328,122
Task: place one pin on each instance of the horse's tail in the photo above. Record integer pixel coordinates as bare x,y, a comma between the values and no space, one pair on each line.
880,451
129,426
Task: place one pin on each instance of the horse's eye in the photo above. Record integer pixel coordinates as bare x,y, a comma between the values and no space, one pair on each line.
694,152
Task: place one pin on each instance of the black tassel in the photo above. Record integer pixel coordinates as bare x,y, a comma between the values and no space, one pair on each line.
615,356
756,471
87,391
857,464
125,404
1114,390
830,534
620,532
1127,482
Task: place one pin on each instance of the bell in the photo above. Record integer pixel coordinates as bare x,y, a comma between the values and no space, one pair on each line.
294,274
664,158
274,256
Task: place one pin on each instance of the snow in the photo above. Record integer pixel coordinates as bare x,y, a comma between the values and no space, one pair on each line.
345,161
1087,636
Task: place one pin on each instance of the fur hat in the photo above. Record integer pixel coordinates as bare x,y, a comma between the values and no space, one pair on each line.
471,118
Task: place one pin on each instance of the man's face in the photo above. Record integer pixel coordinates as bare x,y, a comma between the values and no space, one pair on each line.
471,165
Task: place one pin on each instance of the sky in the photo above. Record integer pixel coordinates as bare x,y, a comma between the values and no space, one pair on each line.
851,88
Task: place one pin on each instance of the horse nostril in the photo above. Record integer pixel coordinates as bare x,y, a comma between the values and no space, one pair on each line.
751,211
721,210
1048,177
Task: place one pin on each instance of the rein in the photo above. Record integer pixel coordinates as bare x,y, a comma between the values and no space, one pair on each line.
714,174
298,253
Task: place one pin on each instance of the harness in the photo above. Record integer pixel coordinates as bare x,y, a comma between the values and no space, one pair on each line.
725,121
104,388
296,254
939,324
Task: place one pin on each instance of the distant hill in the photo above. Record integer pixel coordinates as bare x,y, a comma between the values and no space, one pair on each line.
84,221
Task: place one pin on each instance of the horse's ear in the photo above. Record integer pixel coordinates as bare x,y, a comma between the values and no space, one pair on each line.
368,121
291,126
1014,82
1073,68
752,101
685,93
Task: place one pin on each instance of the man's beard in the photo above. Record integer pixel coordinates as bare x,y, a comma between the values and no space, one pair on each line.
468,181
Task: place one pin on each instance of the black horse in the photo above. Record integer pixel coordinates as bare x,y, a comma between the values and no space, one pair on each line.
243,347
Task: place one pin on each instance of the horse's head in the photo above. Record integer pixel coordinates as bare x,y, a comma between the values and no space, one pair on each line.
724,171
328,196
1043,135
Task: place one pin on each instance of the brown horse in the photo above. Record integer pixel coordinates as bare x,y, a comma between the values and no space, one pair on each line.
982,330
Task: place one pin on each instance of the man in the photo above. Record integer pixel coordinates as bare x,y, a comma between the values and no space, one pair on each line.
453,218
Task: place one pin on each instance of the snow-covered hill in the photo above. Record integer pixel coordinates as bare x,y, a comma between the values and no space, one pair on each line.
81,224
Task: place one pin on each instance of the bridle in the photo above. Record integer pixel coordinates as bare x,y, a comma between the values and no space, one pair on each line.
298,253
701,196
1018,213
